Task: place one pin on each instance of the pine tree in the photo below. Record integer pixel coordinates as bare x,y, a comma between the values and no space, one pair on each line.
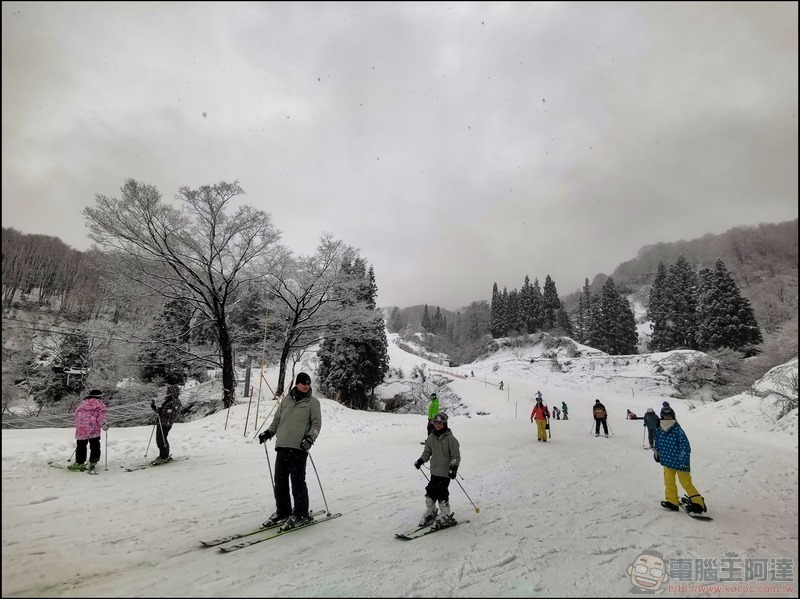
537,312
496,313
550,303
526,304
724,317
395,321
656,311
426,321
588,314
680,289
353,364
562,320
163,359
438,323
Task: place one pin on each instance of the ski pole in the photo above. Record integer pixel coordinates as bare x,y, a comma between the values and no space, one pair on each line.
106,451
325,501
73,453
151,439
477,509
270,469
549,432
644,432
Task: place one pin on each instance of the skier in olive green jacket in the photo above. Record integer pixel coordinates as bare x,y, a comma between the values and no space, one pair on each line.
296,425
444,452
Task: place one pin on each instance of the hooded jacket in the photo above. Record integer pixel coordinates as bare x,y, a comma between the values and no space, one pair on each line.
298,415
90,415
443,450
651,420
673,448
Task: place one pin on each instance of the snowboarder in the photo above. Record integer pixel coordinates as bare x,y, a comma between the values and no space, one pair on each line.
540,414
600,416
90,419
295,426
556,412
673,452
651,421
565,410
443,450
166,415
433,409
501,385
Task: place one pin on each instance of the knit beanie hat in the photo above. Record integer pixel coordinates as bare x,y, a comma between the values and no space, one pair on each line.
302,379
173,390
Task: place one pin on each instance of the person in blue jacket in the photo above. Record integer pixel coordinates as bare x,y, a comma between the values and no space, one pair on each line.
673,452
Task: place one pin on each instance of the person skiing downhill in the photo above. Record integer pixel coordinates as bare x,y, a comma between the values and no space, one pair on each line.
90,419
673,452
565,410
444,452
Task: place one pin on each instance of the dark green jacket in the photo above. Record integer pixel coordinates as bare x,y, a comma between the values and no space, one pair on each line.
297,415
443,451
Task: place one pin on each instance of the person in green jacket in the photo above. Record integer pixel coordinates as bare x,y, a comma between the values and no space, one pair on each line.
444,452
433,409
296,426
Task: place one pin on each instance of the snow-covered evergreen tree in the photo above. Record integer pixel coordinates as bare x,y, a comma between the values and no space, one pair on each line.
354,362
724,317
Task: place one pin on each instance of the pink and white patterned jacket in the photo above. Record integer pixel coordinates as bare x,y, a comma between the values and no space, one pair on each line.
90,415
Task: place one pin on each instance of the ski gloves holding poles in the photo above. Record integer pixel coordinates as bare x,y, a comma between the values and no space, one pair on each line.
452,472
305,444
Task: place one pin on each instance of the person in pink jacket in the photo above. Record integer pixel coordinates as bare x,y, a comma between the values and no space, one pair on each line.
90,419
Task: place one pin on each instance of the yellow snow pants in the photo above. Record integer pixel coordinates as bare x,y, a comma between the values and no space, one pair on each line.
541,431
671,489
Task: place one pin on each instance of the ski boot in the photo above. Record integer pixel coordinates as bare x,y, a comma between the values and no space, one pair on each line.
275,518
77,467
430,513
445,516
92,469
670,506
295,521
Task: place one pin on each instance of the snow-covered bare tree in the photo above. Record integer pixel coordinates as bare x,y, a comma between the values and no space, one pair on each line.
309,298
198,253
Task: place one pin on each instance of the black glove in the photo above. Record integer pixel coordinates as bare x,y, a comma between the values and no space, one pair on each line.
453,471
265,436
418,464
656,457
153,405
531,420
307,442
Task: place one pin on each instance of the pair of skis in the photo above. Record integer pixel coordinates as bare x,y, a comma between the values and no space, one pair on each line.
150,465
425,530
275,530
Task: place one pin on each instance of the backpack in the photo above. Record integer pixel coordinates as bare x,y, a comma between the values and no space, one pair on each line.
599,412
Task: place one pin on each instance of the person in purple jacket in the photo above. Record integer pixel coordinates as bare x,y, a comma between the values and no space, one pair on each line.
90,419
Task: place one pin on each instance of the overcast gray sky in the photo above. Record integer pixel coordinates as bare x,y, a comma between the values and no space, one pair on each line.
455,144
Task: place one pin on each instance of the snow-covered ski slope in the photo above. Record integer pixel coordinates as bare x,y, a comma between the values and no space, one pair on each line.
563,518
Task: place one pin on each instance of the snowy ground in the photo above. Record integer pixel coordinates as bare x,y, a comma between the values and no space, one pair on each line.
563,518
